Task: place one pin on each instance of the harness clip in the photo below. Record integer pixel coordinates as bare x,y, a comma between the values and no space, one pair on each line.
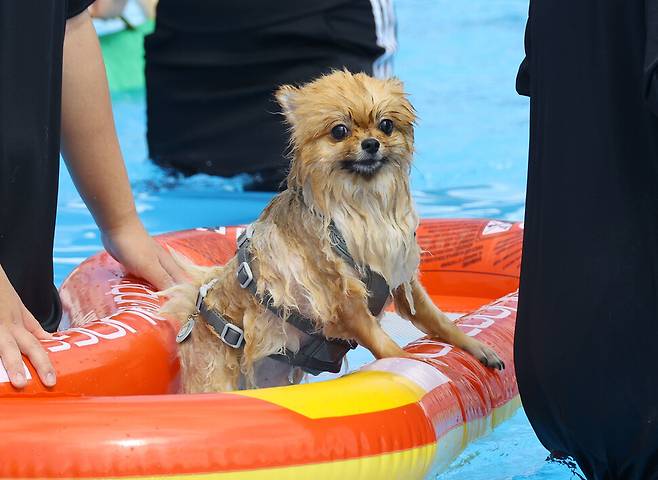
246,235
232,335
244,274
203,291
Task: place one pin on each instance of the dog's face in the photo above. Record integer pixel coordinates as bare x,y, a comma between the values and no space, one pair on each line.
350,128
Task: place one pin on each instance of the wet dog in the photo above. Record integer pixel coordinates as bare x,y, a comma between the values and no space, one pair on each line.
346,218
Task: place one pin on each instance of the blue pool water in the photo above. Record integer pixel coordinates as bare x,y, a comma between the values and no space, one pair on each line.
458,60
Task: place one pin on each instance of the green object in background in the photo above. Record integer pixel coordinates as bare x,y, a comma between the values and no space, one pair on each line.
123,53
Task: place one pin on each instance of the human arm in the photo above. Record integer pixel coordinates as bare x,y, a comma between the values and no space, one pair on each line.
93,157
107,8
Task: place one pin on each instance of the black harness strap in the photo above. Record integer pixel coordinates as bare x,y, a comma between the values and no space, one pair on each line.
378,289
320,354
231,335
247,280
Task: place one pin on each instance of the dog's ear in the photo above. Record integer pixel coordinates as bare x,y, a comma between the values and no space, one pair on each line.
287,95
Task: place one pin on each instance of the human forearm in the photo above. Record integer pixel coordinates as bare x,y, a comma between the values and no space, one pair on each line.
89,142
91,150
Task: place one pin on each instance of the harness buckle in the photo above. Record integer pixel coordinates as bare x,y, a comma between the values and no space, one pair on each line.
203,291
246,235
244,274
232,335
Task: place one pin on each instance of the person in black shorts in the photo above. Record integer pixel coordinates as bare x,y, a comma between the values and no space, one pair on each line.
587,328
52,86
212,68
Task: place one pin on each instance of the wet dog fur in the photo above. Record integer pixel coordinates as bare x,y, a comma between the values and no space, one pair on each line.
352,141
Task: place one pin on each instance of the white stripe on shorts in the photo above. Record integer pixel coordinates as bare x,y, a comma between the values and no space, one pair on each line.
385,22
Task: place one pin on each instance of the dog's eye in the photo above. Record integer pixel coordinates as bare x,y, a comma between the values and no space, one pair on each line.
386,126
339,132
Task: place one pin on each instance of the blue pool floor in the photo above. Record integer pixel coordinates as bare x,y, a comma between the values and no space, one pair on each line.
458,61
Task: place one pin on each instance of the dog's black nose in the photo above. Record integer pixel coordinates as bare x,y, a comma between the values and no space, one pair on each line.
370,145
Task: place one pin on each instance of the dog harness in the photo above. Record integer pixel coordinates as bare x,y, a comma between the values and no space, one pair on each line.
319,354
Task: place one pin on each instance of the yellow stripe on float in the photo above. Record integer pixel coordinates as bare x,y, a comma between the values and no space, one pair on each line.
449,446
353,394
453,442
483,426
412,464
504,412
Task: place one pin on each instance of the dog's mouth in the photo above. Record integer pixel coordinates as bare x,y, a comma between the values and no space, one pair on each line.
366,167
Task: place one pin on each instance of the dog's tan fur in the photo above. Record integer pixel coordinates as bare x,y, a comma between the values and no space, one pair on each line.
293,258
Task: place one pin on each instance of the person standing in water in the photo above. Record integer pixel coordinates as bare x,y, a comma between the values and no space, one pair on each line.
52,86
212,69
587,324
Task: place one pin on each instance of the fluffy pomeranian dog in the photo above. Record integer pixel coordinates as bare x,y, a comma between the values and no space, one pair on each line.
352,141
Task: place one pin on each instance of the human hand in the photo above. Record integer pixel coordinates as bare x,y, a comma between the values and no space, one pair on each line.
20,333
130,245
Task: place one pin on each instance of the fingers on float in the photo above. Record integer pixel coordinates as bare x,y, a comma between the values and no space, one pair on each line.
10,355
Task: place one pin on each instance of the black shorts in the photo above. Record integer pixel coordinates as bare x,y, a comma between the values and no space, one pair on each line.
31,45
212,68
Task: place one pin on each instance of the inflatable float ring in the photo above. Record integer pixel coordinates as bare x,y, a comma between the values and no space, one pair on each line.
115,413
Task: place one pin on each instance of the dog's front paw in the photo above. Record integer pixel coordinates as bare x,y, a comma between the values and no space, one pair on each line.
485,355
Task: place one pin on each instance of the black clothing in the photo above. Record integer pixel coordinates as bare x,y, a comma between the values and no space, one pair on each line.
212,68
31,44
587,328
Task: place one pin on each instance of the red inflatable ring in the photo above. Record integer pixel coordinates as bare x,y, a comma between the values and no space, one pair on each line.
115,413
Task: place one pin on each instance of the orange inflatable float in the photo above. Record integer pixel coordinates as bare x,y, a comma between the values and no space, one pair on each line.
115,413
